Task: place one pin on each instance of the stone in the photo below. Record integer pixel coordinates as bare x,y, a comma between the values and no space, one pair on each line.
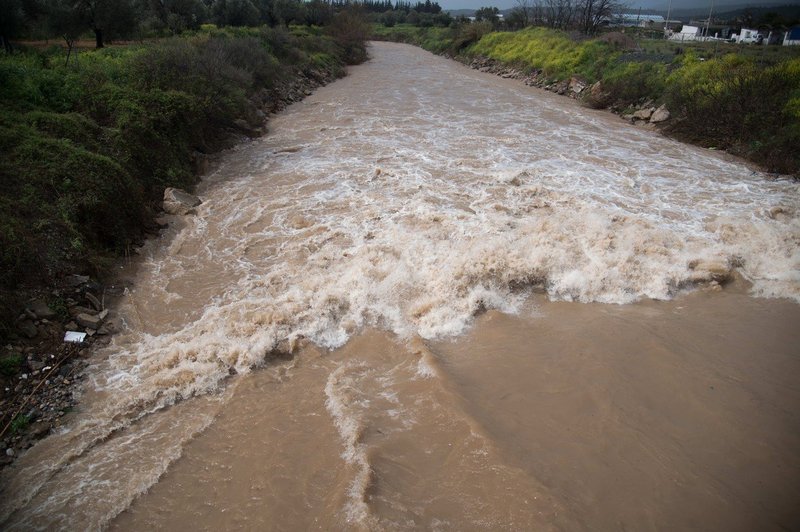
643,114
76,280
177,201
89,321
246,128
77,309
28,328
659,115
576,85
111,326
91,298
780,212
718,271
41,309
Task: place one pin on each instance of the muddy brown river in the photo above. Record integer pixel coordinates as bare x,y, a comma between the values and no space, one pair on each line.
434,299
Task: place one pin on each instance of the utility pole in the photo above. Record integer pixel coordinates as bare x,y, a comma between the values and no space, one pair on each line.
666,22
708,22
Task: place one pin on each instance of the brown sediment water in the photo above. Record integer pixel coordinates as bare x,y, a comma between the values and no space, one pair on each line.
502,310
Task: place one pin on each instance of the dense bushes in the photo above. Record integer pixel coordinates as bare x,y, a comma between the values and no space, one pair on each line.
548,50
88,148
749,110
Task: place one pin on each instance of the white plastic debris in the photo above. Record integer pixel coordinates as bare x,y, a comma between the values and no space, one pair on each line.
74,337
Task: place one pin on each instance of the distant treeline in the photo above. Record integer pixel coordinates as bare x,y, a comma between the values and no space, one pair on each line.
110,20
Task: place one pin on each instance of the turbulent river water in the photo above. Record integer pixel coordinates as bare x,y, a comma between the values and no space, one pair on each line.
434,299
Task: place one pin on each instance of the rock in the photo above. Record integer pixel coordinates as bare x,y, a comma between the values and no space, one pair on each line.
643,114
659,115
246,128
576,85
299,222
41,310
111,326
9,452
91,298
77,309
780,212
177,201
76,280
718,271
89,321
28,328
596,97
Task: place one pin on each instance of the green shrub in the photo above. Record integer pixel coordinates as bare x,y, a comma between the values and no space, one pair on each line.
10,365
754,109
554,52
631,82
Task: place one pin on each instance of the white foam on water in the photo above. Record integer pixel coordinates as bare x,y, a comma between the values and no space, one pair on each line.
343,405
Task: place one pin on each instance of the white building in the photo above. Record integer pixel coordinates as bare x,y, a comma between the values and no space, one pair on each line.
748,36
792,37
637,19
688,33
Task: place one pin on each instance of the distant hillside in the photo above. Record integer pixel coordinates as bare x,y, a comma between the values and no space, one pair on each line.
784,14
461,12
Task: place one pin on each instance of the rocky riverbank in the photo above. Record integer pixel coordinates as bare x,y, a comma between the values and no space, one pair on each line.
41,372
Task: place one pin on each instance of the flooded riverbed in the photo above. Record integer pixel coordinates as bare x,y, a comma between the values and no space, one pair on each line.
468,302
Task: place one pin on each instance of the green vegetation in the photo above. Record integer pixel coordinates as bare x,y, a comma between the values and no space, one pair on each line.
746,102
19,423
548,50
10,365
88,147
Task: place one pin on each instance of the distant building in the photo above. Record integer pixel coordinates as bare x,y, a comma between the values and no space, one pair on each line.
688,33
637,19
748,36
792,37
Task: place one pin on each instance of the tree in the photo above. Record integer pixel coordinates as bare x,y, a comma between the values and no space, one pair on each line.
592,12
236,13
522,14
559,14
11,22
66,22
318,13
490,14
107,19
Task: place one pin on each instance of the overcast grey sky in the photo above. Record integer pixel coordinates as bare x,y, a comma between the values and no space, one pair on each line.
634,4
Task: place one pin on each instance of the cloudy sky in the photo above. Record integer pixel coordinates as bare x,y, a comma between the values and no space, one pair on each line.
634,4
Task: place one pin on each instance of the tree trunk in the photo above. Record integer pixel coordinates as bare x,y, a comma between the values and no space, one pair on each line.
6,44
98,37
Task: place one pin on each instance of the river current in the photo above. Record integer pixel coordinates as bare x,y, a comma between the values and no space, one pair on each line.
431,298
